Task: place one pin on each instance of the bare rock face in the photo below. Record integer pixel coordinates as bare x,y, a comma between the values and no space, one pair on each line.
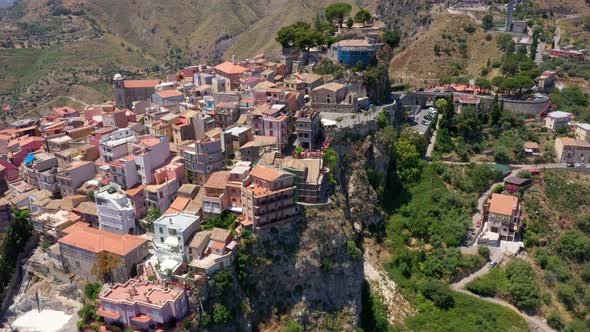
305,271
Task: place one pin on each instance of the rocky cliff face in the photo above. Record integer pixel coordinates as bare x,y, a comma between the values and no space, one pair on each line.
304,270
308,271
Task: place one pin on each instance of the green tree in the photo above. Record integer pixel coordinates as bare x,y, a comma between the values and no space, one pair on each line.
298,150
408,157
363,16
349,22
221,315
436,291
91,290
292,326
573,245
487,22
391,38
223,281
338,11
484,252
152,215
483,83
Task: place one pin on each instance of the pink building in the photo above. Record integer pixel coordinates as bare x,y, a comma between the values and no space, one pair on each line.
10,171
142,303
271,120
278,96
137,196
20,147
276,124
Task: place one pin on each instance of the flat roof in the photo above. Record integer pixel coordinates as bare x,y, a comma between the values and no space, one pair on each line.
179,220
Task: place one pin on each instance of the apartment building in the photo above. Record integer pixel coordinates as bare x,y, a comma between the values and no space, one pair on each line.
223,190
268,197
504,216
142,303
311,178
582,131
39,169
150,153
161,195
303,82
571,150
72,177
307,128
172,233
79,249
558,119
202,158
115,145
116,213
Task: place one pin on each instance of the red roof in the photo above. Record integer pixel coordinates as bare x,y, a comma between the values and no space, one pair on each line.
140,84
95,240
265,173
230,68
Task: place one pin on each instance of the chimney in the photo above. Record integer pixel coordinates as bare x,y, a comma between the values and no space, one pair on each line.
233,59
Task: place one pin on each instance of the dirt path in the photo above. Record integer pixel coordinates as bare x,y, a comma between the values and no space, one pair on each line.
536,323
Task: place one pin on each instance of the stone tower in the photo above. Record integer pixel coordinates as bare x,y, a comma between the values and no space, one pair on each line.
119,89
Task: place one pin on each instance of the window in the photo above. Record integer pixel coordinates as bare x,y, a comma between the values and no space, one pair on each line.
161,230
162,239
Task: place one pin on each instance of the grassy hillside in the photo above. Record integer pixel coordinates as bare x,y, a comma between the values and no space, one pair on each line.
467,52
79,69
198,26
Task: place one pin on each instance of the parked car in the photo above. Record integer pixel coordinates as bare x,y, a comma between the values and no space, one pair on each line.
425,122
478,223
493,264
428,117
571,165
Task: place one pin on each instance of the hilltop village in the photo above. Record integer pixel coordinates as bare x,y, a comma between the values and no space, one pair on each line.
152,200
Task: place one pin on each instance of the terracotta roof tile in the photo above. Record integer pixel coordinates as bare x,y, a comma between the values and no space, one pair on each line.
138,84
96,241
230,68
503,204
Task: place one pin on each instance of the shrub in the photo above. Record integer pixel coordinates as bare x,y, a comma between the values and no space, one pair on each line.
499,188
292,326
221,314
554,320
438,292
354,252
484,252
91,290
567,295
470,28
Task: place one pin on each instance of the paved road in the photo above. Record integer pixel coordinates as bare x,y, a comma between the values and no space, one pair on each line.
536,323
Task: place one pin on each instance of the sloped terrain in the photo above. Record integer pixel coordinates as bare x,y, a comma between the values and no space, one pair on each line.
419,65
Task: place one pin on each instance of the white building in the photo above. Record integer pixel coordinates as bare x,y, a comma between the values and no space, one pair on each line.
172,235
115,210
558,119
116,144
150,153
